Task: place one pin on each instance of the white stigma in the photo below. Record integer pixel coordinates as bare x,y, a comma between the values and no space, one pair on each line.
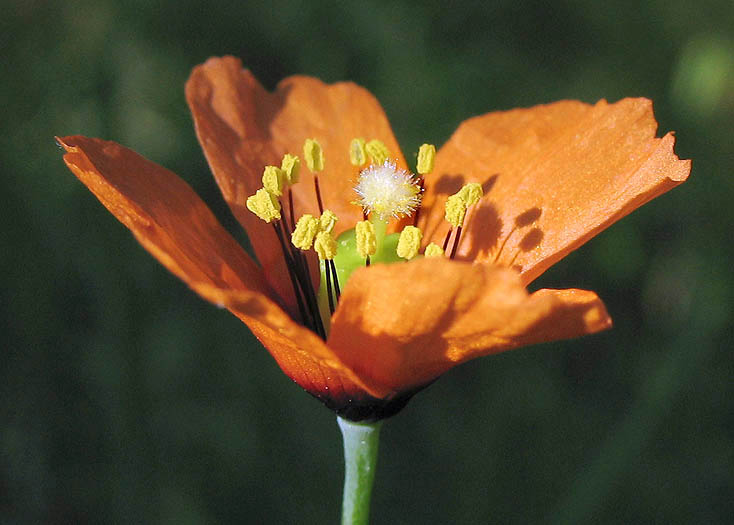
388,191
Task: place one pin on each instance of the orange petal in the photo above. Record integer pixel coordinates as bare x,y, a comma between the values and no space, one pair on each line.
163,213
554,176
401,326
174,225
243,128
299,352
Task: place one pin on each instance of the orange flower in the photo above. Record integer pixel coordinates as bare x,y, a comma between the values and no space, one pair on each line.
553,176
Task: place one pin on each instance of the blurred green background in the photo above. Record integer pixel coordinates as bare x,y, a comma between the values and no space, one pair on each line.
127,399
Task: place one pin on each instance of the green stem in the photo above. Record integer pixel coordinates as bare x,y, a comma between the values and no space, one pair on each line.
360,459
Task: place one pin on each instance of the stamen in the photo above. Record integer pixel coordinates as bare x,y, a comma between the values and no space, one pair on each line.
291,273
291,166
314,156
446,239
455,213
335,277
388,191
325,247
302,271
264,205
357,153
377,151
426,159
290,206
433,250
471,193
366,240
273,180
302,238
306,229
455,210
409,242
329,293
327,221
318,193
456,242
267,207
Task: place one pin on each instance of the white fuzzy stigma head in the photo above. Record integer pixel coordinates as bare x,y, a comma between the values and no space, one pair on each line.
388,191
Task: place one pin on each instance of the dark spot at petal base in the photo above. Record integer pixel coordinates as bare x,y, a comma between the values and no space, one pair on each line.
368,409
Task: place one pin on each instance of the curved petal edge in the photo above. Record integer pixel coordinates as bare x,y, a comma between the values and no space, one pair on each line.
401,326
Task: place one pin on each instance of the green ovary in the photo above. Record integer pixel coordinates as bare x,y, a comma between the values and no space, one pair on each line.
347,260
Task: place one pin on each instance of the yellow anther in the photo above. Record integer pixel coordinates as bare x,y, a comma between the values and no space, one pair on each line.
357,153
377,151
273,179
314,155
471,193
306,229
366,239
325,246
455,210
264,204
433,250
426,158
327,221
291,166
409,242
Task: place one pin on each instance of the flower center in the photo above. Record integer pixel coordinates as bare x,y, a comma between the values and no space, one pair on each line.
384,192
388,191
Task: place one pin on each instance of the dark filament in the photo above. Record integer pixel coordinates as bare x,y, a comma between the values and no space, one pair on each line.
446,240
335,278
301,282
456,242
327,273
288,261
318,193
290,208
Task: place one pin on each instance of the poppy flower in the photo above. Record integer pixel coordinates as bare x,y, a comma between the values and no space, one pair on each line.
551,177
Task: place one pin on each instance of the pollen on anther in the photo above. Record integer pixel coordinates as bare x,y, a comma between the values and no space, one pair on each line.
327,221
291,167
314,155
273,180
306,229
377,151
433,250
265,205
366,240
357,152
388,191
455,210
409,242
325,246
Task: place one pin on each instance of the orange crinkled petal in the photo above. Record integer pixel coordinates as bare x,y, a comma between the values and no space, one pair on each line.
299,352
178,229
400,326
553,175
164,214
242,128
